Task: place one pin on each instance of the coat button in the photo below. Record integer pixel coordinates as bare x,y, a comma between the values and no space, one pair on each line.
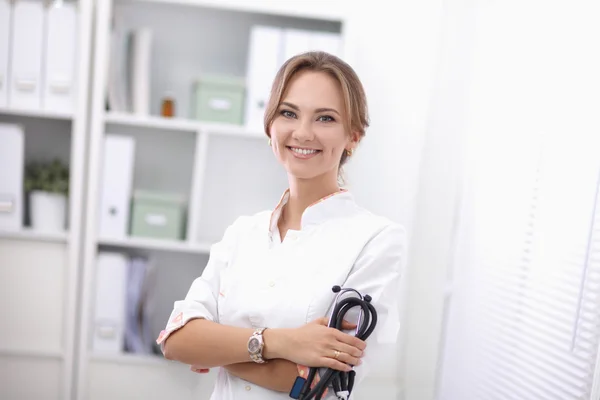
248,388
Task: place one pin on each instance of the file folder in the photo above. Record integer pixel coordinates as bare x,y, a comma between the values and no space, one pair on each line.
5,29
26,55
328,42
12,154
264,60
61,58
141,53
116,183
296,41
110,303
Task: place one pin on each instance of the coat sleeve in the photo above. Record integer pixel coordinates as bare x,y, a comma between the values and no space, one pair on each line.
377,272
202,296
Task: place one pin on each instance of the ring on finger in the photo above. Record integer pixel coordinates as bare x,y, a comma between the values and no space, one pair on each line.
336,354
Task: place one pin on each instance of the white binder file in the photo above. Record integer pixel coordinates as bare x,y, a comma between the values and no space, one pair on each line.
264,59
295,42
5,28
116,182
141,53
61,57
328,42
26,55
110,303
12,154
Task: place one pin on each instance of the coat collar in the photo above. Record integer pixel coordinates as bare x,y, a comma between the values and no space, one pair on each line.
335,205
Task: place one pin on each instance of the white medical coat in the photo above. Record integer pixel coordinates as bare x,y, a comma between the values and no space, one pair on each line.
253,279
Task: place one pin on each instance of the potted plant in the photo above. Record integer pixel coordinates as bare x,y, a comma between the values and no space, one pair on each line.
47,184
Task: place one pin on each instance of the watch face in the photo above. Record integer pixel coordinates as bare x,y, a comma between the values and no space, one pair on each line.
254,345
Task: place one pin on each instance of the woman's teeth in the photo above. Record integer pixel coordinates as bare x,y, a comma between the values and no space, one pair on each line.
303,151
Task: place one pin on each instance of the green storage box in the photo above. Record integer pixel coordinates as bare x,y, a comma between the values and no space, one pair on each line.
219,98
157,215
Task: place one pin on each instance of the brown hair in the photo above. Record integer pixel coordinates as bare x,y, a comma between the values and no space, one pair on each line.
355,100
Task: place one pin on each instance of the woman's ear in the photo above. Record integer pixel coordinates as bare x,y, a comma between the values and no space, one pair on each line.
354,140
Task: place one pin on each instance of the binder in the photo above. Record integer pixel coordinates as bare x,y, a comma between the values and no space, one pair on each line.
5,29
296,41
141,53
110,303
26,55
328,42
61,57
12,155
116,180
264,60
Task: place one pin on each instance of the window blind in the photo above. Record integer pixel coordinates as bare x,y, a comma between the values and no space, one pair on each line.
540,315
523,309
525,323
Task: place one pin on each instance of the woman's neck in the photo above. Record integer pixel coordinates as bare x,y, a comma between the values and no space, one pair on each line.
303,193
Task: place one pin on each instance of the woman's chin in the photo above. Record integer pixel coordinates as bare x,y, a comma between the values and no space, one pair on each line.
302,173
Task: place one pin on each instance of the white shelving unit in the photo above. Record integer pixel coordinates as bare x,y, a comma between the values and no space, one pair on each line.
33,236
39,271
222,170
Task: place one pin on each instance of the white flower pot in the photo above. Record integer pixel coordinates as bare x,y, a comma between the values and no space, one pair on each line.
48,211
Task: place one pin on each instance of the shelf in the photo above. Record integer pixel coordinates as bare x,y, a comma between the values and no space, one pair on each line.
31,353
174,124
30,234
129,359
326,10
156,244
36,113
180,124
231,130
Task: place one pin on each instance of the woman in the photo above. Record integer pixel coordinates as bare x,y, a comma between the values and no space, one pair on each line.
275,269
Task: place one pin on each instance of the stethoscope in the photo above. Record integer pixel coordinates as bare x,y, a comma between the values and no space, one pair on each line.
341,382
340,291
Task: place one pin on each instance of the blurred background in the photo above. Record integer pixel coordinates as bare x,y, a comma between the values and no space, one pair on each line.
130,137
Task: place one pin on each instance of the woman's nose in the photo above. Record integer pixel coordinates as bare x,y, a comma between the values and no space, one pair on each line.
303,132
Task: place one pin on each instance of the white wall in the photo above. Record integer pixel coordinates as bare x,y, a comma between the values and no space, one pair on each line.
396,54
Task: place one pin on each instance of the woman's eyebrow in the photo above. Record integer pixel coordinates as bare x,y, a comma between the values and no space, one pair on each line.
318,110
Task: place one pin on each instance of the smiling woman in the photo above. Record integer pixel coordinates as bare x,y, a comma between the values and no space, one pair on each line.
258,309
318,99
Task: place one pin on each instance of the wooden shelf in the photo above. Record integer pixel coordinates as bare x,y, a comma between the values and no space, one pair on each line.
182,125
36,113
30,234
156,244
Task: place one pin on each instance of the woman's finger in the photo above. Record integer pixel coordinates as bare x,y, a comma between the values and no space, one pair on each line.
347,358
346,325
347,349
335,364
351,340
321,321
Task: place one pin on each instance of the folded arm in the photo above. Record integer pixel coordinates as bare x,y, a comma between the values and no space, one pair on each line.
278,375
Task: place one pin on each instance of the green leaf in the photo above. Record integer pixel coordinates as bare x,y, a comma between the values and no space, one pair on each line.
52,176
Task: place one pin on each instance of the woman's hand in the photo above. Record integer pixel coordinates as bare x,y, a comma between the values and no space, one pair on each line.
316,345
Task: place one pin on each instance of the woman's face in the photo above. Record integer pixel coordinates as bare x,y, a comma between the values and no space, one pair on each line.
308,134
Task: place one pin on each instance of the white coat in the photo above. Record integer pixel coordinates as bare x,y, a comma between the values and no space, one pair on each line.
253,279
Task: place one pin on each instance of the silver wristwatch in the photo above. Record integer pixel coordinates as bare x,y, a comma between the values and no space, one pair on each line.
256,344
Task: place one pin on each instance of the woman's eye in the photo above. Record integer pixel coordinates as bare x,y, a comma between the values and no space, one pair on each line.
325,118
288,114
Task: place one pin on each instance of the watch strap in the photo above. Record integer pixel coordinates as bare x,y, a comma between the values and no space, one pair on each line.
257,356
